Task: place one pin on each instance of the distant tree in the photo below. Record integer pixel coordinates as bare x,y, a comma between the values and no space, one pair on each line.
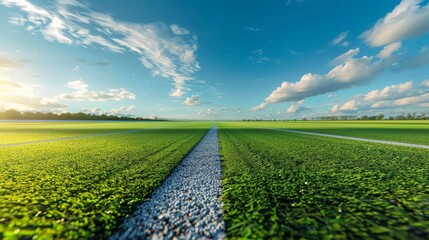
16,115
379,117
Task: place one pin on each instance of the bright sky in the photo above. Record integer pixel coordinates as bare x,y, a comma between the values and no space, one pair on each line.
215,59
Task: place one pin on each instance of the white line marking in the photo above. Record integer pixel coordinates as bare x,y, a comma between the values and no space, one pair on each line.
353,138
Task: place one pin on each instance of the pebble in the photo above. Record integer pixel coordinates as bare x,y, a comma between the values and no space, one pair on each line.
181,207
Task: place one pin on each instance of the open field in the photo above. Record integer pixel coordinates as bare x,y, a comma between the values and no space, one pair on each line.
278,184
410,131
84,187
81,179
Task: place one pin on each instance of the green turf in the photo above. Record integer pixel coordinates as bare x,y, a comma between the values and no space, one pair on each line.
285,185
413,131
83,188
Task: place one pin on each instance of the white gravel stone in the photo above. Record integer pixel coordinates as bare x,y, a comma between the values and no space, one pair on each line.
181,207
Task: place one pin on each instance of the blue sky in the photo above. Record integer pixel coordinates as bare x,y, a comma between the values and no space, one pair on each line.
215,59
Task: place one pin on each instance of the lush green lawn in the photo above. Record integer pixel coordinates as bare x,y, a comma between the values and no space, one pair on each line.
280,185
413,131
17,132
85,187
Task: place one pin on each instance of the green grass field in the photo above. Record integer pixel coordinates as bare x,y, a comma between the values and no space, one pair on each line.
274,184
411,131
84,187
280,185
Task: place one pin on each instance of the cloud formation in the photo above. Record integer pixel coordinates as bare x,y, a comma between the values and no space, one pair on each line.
408,19
82,93
341,40
389,50
349,72
23,97
393,96
167,50
121,111
193,100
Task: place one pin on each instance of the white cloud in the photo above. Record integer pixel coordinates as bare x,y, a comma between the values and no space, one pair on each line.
355,69
341,40
179,30
343,57
390,92
82,93
408,19
23,97
392,96
167,50
350,72
259,107
425,83
349,106
389,50
176,92
121,111
78,85
193,100
297,109
422,98
209,112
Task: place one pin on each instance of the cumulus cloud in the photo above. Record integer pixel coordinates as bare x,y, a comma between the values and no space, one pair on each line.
341,39
259,107
393,96
297,109
390,92
176,92
408,19
389,50
167,50
208,112
193,100
350,71
121,111
343,57
82,93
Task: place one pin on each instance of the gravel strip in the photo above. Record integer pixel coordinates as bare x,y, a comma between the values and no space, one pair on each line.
353,138
187,205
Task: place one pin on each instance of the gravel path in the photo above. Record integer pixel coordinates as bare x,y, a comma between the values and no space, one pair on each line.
353,138
187,205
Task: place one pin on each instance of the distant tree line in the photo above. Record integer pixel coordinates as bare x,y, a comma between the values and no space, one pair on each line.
408,116
16,115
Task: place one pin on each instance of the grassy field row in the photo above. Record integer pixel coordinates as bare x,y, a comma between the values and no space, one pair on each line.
410,131
19,132
279,185
275,184
84,188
